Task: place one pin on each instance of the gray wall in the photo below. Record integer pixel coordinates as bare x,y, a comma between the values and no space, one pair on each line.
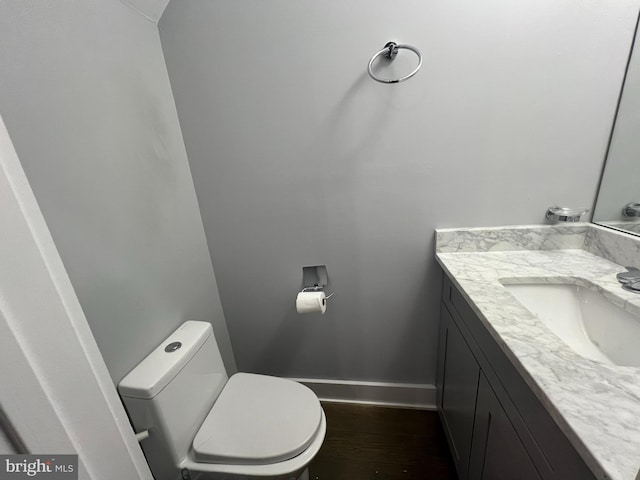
86,99
300,159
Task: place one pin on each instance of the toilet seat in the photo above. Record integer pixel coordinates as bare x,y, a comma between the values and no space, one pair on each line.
258,420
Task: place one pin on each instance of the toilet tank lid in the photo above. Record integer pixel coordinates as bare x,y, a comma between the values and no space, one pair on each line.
158,368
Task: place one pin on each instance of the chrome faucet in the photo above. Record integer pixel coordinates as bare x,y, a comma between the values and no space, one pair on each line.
630,279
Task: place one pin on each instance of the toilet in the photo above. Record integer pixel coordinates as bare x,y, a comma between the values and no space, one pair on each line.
204,425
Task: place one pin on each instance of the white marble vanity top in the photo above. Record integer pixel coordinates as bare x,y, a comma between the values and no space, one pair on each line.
596,405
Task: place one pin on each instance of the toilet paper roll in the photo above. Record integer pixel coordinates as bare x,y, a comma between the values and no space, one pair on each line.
310,302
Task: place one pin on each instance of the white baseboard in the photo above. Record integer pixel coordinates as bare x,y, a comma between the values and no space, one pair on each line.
407,395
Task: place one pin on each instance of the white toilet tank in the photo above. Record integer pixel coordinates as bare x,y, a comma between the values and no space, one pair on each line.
171,391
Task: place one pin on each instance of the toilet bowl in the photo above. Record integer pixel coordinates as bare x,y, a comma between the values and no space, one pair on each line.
204,425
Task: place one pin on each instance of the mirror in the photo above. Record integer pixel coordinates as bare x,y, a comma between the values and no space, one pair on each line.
618,202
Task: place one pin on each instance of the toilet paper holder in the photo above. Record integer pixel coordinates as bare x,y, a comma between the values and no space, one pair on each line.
314,288
314,278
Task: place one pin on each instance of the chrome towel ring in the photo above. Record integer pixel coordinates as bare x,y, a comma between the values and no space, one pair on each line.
390,51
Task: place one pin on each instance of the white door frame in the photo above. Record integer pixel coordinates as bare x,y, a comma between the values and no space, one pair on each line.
55,387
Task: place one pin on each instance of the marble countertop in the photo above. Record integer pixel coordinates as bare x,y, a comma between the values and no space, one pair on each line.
596,405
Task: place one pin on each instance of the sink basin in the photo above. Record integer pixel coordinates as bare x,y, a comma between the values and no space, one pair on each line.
585,320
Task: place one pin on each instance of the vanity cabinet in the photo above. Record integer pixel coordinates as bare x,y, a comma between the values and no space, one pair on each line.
457,396
496,427
497,450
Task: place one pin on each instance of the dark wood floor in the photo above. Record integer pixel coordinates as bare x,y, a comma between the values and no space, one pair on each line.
381,443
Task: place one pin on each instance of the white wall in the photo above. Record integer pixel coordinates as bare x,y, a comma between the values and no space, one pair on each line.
151,9
87,101
300,159
56,390
5,446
